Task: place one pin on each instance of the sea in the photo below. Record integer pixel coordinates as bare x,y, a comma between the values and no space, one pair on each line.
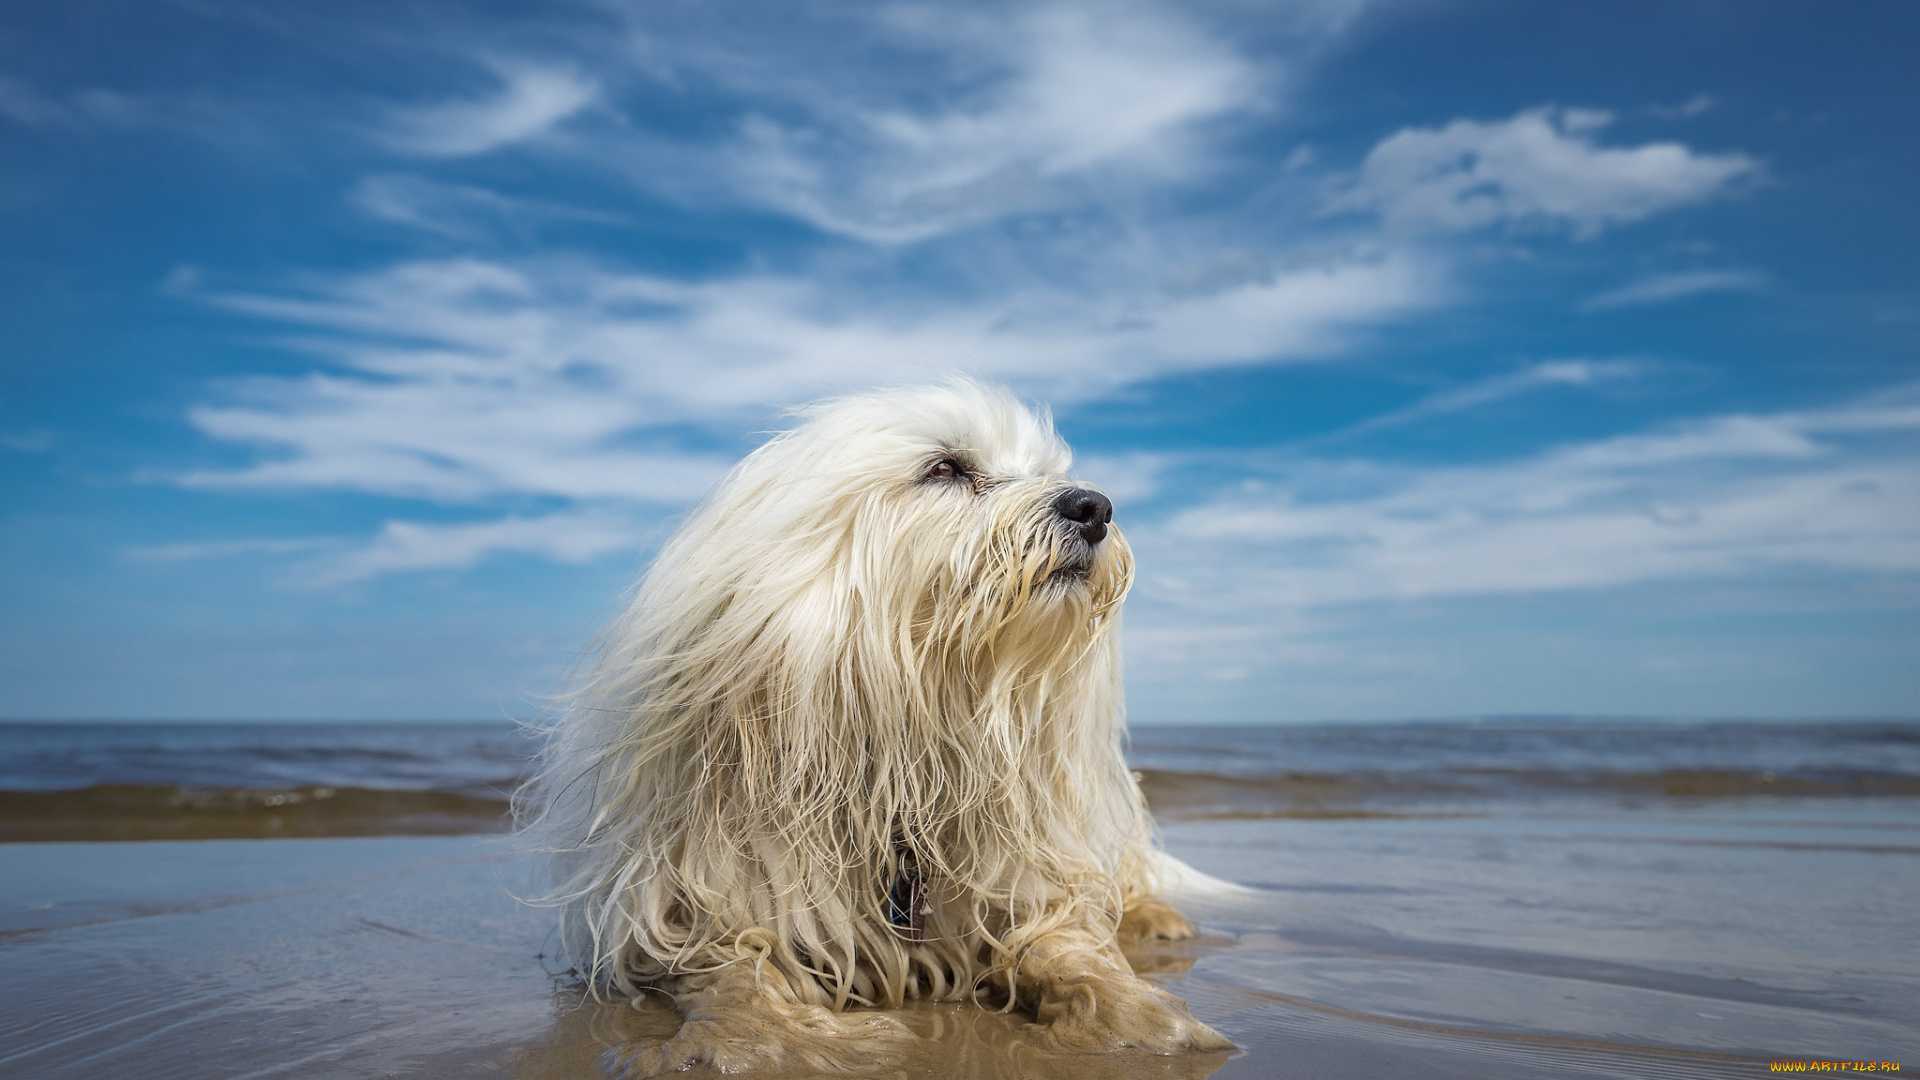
154,780
1489,898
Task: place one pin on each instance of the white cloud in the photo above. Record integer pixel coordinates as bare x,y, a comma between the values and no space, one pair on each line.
574,537
1092,88
1072,90
1126,478
445,209
1724,497
1693,106
201,116
530,100
459,211
1540,168
1664,287
482,382
466,380
1499,387
1218,272
1316,571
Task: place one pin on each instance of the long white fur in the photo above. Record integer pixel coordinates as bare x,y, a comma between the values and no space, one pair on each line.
836,660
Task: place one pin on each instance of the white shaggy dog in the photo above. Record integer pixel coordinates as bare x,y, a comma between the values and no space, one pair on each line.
855,741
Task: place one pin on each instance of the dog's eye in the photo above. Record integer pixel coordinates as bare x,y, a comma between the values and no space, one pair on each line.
945,469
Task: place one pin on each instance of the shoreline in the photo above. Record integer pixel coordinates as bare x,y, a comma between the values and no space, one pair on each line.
133,812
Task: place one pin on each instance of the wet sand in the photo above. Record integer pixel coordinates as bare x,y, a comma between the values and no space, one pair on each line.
1696,940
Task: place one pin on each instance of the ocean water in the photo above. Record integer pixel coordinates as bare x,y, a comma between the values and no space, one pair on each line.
138,781
469,758
1495,899
1464,757
158,780
1844,752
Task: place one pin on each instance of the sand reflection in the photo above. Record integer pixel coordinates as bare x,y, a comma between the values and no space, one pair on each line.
962,1042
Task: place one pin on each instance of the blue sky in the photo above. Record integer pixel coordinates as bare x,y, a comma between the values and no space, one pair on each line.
1442,358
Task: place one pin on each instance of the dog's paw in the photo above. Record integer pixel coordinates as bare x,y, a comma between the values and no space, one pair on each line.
1101,1013
1151,920
698,1042
771,1042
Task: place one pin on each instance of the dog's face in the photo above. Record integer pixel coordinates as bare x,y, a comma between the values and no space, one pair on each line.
946,513
988,521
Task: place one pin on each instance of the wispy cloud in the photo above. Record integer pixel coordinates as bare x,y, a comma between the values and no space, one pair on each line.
1498,388
1072,90
529,100
1127,478
1721,497
460,211
1281,572
483,381
573,537
465,380
197,115
1693,106
1661,288
1541,168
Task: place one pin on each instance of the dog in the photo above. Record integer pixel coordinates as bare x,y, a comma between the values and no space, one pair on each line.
854,741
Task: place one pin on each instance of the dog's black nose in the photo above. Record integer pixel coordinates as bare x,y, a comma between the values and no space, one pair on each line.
1088,509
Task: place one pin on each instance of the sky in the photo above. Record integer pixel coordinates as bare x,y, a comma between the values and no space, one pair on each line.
1442,359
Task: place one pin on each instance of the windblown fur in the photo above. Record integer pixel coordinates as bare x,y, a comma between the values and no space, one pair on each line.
846,669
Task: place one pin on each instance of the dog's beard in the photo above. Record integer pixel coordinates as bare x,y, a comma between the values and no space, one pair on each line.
1056,577
1100,572
1070,574
1069,579
1072,562
1008,549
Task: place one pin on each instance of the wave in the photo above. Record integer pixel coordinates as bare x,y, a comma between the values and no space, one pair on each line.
157,812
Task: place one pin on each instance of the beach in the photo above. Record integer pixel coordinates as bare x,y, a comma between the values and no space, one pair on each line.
1575,911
